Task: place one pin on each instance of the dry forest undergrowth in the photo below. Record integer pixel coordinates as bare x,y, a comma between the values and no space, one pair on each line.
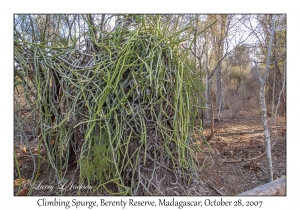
237,162
234,163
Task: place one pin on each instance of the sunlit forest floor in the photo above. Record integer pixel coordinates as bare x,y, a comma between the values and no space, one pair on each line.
237,161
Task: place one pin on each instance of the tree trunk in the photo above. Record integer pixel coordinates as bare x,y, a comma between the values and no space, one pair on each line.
263,103
212,123
266,133
207,85
282,90
101,26
219,51
219,95
273,94
277,187
274,77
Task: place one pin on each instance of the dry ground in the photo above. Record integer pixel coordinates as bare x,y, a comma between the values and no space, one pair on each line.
237,162
234,163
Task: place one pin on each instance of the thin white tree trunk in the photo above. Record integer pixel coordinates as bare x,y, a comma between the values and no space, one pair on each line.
207,85
219,95
283,86
273,94
263,103
266,133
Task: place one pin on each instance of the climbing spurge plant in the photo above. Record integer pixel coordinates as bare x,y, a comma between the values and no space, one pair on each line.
123,104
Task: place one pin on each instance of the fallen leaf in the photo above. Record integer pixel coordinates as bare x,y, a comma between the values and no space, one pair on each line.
24,150
21,181
23,192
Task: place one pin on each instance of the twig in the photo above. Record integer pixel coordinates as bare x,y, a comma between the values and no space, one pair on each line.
218,191
256,157
242,159
231,161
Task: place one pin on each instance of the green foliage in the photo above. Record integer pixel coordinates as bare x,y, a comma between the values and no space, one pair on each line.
135,105
237,77
97,165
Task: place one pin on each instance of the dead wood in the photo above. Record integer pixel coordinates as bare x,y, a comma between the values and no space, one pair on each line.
277,187
218,191
212,123
242,159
